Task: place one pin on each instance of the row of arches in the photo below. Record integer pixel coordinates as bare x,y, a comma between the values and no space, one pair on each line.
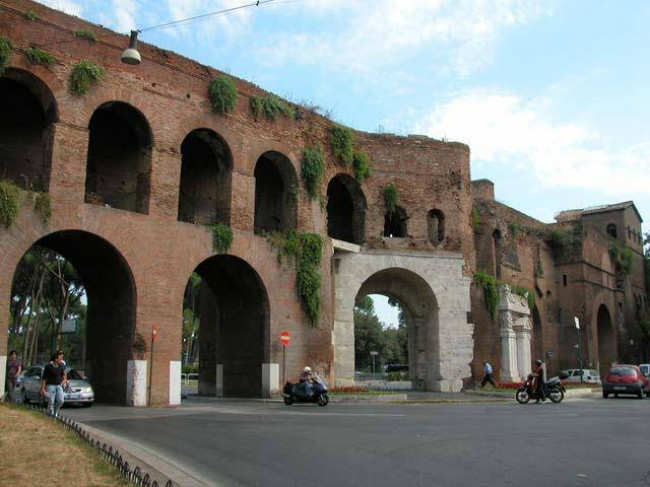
119,165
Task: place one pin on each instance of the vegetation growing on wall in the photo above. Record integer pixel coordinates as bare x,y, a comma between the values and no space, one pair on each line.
270,107
490,286
342,143
391,197
85,34
223,94
515,229
83,76
256,106
622,258
476,218
43,206
36,56
5,53
362,167
221,237
312,169
9,202
31,15
307,250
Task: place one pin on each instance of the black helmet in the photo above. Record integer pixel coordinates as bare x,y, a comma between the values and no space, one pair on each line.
538,362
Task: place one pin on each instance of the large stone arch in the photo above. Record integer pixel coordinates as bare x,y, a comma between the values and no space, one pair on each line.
436,294
606,333
28,112
276,193
234,330
118,171
111,294
346,209
206,178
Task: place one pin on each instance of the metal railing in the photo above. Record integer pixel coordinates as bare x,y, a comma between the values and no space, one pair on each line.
134,475
186,378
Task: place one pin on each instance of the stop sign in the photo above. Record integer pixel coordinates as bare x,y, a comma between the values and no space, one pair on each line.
284,338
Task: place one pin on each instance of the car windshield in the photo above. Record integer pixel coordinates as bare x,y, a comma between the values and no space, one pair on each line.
622,371
74,375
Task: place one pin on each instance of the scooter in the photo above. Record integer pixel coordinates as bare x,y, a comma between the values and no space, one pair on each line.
298,392
554,390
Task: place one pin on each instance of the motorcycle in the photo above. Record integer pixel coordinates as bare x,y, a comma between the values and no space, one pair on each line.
309,393
554,390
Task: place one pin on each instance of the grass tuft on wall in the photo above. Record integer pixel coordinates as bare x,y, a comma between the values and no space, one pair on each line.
222,93
83,76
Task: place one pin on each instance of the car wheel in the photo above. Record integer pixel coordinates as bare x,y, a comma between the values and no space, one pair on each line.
288,401
86,404
615,394
640,393
605,395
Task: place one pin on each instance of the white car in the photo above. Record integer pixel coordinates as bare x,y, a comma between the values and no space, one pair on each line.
588,375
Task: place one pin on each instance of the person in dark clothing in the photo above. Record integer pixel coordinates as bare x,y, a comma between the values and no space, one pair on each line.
52,383
488,376
14,367
540,386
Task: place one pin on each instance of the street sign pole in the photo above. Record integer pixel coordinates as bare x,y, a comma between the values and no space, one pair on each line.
285,339
577,322
374,356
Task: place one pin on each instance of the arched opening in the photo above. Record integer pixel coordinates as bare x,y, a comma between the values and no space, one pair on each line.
346,209
204,195
276,193
28,112
118,172
611,230
76,276
436,227
226,327
420,320
381,348
395,223
606,339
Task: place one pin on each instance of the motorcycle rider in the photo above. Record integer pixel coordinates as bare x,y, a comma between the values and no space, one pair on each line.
538,381
307,381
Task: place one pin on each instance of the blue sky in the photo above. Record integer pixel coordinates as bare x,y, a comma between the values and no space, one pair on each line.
551,96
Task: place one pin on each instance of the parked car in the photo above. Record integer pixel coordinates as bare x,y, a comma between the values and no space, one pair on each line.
625,379
572,376
645,369
78,391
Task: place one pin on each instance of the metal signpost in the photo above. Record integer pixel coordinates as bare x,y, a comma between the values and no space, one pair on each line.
374,357
577,322
284,340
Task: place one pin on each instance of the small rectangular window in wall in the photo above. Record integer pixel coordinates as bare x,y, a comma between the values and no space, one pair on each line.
470,319
564,280
559,316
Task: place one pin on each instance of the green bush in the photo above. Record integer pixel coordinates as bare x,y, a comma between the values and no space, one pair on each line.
221,237
5,53
622,257
256,106
391,198
36,56
270,107
31,15
223,94
9,202
190,369
490,288
312,169
43,206
476,218
342,143
85,34
83,76
362,168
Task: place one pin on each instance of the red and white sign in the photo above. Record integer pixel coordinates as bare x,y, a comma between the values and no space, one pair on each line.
154,332
284,338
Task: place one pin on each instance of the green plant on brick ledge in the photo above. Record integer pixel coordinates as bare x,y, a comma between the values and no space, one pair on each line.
9,202
490,288
221,237
83,76
270,107
391,197
362,167
31,15
85,34
43,206
307,251
222,93
342,144
312,169
36,56
5,53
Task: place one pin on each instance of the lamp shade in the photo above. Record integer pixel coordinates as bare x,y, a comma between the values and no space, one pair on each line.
131,54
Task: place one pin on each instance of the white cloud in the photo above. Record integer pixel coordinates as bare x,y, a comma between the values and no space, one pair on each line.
227,24
125,12
505,130
67,6
361,36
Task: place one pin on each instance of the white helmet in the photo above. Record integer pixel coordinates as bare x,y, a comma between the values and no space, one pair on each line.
307,369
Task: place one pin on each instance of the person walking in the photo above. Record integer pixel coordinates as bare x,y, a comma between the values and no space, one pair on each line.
52,383
14,367
488,376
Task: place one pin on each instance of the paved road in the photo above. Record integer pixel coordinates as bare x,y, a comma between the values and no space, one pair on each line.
577,443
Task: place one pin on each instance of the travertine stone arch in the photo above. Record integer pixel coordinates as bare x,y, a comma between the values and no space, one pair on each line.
436,294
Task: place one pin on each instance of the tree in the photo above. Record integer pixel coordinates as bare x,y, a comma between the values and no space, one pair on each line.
368,334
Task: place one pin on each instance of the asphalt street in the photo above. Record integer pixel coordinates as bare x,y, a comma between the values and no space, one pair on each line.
592,442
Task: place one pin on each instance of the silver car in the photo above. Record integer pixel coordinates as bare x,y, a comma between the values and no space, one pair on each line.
78,390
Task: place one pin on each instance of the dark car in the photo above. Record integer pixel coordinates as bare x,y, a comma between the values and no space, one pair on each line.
625,379
78,391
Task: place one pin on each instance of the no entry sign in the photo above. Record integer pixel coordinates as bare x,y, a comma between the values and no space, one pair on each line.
284,338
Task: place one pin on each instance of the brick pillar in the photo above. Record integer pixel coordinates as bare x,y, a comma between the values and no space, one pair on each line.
69,156
242,215
165,184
